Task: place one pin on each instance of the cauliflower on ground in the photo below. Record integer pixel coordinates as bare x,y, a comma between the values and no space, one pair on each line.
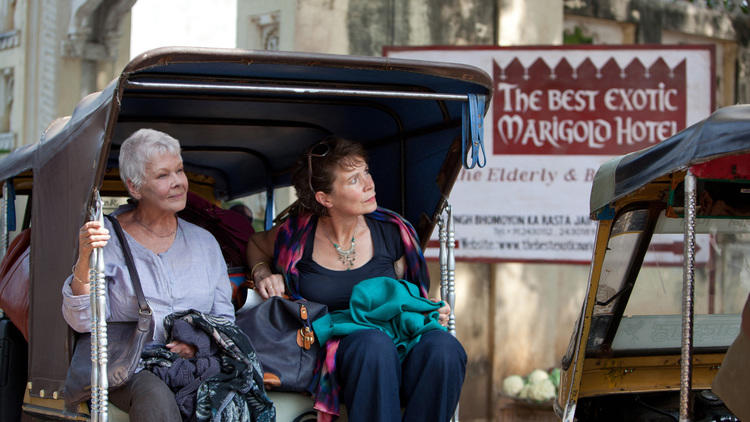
513,385
524,394
541,390
537,375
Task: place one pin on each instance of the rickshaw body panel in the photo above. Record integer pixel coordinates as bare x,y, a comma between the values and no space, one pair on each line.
641,374
644,180
235,143
573,361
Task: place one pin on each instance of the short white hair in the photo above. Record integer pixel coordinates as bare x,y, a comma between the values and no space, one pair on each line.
139,149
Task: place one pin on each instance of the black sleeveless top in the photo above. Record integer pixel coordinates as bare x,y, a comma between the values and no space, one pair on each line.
334,288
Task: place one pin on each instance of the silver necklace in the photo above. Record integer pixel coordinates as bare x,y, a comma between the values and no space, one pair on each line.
153,232
346,256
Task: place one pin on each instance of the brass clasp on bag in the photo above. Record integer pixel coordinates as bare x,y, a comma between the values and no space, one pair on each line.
305,335
305,338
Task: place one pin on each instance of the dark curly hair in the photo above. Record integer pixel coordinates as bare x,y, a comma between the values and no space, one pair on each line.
322,159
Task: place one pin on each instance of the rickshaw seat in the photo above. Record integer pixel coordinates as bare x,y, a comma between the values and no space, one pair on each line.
288,407
117,415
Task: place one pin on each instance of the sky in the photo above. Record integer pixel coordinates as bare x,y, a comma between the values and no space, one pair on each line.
196,23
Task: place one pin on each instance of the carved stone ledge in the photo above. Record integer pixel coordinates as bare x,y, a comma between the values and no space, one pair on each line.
267,26
94,29
86,50
7,141
10,39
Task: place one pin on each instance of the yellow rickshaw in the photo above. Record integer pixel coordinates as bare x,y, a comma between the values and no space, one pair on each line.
669,276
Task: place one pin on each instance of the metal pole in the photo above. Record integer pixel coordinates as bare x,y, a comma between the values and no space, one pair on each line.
443,257
451,272
448,271
688,284
98,295
290,90
95,403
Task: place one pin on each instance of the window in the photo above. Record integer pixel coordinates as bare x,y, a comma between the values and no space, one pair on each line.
652,317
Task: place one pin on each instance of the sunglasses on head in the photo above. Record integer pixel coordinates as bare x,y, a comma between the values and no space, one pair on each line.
321,149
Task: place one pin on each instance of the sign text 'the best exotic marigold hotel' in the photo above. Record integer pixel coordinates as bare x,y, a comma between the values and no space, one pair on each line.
586,110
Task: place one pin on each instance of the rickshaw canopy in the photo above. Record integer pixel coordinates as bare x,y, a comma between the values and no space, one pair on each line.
725,132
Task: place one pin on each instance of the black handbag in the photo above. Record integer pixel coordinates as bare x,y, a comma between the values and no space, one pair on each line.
125,341
281,334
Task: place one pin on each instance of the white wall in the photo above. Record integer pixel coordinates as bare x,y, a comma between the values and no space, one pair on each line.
195,23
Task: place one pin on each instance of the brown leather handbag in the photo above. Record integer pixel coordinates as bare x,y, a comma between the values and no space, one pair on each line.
125,341
15,281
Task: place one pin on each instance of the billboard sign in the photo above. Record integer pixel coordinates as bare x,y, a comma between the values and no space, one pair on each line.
556,114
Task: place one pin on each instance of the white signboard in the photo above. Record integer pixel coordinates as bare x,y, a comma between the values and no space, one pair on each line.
556,114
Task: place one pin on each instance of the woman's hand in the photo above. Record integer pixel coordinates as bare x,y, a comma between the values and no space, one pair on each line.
91,236
271,285
444,313
186,351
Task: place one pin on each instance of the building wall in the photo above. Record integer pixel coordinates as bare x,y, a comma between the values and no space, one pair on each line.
364,27
266,24
12,69
534,22
52,53
667,22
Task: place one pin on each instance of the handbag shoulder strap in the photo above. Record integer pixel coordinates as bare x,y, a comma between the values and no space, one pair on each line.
142,304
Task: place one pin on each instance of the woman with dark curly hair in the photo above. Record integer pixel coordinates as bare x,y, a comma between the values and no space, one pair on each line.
335,238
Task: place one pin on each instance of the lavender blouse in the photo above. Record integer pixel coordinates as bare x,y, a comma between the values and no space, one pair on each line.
191,274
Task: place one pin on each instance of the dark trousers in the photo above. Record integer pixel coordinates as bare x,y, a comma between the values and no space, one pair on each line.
146,398
375,385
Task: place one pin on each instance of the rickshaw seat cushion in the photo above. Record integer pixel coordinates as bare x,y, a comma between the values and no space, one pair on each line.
15,280
231,229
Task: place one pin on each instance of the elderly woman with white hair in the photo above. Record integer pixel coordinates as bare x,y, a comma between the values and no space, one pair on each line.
180,265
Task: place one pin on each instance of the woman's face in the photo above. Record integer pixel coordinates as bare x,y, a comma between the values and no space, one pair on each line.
164,185
353,191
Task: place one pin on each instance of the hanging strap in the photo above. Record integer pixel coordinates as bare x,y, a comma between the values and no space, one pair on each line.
142,304
472,133
11,211
269,208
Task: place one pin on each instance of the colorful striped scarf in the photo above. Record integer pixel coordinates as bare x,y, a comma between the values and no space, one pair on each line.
289,249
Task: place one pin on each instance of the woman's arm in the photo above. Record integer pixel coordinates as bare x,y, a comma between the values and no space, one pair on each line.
259,259
400,267
260,246
443,312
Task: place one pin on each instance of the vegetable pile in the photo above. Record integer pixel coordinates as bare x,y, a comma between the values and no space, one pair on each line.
538,386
